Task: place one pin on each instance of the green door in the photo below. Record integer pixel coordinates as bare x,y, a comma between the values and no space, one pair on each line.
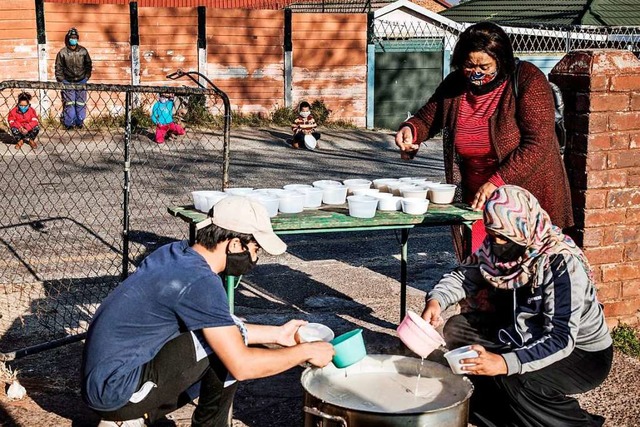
407,72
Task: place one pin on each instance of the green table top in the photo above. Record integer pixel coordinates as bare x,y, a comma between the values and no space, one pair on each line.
336,218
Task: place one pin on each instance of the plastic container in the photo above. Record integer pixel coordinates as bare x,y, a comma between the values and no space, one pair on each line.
296,187
323,183
269,201
357,184
212,198
414,192
415,206
388,202
365,192
349,348
310,142
334,194
312,332
394,187
291,202
312,196
362,206
382,184
442,193
239,191
418,335
455,356
200,199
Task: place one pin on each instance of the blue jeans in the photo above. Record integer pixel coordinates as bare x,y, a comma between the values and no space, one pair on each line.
75,105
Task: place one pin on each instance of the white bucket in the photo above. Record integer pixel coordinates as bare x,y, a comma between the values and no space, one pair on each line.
362,206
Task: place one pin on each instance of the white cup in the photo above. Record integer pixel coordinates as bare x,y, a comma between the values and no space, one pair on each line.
455,356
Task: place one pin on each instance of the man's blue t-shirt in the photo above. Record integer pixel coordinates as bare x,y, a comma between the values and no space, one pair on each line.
173,291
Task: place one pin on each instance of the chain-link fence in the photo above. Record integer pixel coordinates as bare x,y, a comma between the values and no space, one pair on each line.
85,204
532,39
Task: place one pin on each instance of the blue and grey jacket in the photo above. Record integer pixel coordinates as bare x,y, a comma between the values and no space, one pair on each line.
548,321
162,113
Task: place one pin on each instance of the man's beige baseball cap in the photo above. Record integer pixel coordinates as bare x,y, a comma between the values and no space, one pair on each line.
245,215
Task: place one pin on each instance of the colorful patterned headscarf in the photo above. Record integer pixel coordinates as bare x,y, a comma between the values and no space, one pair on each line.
515,214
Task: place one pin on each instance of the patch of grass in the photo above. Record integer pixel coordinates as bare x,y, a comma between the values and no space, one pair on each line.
626,339
283,116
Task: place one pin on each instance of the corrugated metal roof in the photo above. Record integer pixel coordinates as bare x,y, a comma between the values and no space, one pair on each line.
556,12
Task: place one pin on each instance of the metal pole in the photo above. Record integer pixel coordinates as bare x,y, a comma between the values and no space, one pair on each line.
403,272
231,289
126,186
6,357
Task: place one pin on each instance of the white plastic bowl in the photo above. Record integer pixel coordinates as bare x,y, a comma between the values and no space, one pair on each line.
454,358
426,184
442,193
310,142
414,206
313,196
296,186
382,184
365,192
357,184
334,194
239,191
270,202
213,198
362,206
291,202
414,193
312,332
200,199
394,187
327,183
406,179
388,202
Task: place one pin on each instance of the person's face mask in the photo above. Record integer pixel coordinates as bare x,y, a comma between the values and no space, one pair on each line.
478,78
73,42
163,99
239,263
23,108
305,114
507,252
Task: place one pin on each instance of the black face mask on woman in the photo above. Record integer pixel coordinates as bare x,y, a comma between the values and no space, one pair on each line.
507,252
239,263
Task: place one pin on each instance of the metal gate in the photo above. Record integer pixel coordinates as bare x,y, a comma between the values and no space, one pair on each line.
84,207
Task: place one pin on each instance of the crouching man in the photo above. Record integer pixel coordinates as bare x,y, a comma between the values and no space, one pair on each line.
165,335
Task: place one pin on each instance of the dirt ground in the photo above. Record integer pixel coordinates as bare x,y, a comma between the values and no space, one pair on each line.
343,280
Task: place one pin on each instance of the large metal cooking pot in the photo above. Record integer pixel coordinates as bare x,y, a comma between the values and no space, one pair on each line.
385,391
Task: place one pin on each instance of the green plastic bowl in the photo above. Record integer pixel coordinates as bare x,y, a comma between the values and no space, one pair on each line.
349,348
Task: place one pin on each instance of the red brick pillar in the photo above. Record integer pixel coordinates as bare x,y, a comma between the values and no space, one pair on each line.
601,89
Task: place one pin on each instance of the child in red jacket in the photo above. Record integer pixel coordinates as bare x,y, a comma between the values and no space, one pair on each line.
23,122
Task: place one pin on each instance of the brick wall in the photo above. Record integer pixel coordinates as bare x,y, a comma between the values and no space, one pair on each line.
601,89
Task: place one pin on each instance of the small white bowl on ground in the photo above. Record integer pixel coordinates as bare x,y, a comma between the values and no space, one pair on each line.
269,201
313,196
238,191
442,193
414,192
334,194
388,202
291,202
312,332
326,183
362,206
454,358
382,184
414,206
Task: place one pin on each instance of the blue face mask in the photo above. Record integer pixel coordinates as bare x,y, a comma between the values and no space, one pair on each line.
73,42
23,108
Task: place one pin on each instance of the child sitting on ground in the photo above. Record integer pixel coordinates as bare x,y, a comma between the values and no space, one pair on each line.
162,117
304,125
23,122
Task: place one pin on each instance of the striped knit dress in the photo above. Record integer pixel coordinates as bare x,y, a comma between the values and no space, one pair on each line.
479,161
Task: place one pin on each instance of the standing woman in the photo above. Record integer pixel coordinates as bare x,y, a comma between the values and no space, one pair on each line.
491,138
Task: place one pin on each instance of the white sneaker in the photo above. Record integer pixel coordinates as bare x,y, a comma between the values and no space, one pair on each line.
138,422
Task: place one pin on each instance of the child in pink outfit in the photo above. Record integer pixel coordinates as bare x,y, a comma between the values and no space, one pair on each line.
162,116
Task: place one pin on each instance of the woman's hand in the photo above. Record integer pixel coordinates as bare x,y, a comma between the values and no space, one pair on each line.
482,195
287,333
486,363
404,141
432,313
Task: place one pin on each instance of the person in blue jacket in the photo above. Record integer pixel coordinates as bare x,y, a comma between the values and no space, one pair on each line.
162,117
531,315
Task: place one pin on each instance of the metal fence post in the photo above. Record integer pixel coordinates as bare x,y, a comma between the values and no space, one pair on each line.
126,187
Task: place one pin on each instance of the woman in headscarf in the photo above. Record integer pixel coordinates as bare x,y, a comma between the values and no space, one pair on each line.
533,318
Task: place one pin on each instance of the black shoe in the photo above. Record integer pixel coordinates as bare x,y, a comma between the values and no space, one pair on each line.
80,126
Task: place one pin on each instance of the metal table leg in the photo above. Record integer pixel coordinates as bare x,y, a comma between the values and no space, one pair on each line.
192,234
231,289
403,272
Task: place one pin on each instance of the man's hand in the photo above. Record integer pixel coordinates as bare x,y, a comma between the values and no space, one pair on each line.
287,333
23,131
404,141
482,195
486,363
433,313
320,353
